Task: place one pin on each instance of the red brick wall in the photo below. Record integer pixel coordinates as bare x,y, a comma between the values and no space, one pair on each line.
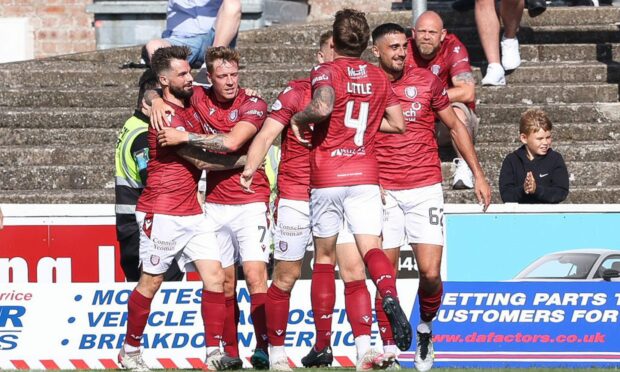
59,26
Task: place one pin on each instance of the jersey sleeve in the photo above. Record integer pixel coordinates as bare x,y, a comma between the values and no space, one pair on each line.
321,76
253,111
286,105
439,100
458,60
392,98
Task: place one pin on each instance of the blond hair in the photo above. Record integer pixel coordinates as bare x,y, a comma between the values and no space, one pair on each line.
534,120
226,54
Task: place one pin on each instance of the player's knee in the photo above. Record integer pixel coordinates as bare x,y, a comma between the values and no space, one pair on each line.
286,280
430,275
256,278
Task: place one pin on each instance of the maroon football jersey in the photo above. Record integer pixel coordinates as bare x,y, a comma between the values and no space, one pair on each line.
294,168
172,181
223,186
343,146
411,159
451,59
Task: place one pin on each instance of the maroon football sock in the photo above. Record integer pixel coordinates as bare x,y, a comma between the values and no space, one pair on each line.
429,303
381,271
277,307
357,305
138,310
385,329
229,338
323,295
213,308
259,320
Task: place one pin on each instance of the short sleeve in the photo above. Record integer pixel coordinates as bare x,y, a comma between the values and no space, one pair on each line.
286,105
439,100
253,111
458,60
320,76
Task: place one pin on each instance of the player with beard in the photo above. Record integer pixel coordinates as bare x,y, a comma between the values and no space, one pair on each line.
410,175
292,232
351,101
172,225
442,53
240,219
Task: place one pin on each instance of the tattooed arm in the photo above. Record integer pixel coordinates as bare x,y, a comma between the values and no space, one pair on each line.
318,109
464,89
221,142
209,161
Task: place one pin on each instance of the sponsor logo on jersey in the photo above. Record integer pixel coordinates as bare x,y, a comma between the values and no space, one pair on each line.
277,105
211,111
319,78
348,152
411,92
288,89
234,115
412,113
359,73
258,113
254,99
435,69
456,49
164,245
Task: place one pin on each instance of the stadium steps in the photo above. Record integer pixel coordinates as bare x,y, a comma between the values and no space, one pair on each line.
61,114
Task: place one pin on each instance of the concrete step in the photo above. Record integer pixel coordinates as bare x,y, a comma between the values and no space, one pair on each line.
59,118
509,132
58,137
59,77
571,151
581,173
553,16
548,93
68,196
57,177
557,112
576,195
110,97
70,154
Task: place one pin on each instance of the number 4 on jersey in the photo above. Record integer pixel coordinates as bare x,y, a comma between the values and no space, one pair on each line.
359,124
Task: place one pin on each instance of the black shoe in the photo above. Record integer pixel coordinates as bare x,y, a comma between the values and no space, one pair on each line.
536,7
463,5
233,364
323,358
401,328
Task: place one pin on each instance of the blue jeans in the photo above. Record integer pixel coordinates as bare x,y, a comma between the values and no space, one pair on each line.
198,44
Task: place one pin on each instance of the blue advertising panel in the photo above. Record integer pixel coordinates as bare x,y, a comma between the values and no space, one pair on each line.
525,324
491,247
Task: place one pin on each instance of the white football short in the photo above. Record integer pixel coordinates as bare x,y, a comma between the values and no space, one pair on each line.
164,238
292,233
242,231
359,205
413,216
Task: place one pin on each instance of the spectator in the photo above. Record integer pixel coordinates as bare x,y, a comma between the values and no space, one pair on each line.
534,173
487,22
433,48
131,158
199,24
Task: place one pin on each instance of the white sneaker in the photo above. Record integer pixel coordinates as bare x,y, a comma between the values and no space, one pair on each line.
510,53
495,75
463,177
219,361
132,361
373,359
280,364
424,352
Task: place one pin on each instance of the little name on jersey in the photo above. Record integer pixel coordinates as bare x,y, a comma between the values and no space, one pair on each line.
359,88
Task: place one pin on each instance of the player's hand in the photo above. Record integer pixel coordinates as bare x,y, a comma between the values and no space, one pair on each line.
161,114
246,181
172,137
528,187
301,132
252,92
483,192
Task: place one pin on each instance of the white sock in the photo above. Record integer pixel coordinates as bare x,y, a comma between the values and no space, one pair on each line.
211,349
362,344
391,349
425,327
276,352
131,349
